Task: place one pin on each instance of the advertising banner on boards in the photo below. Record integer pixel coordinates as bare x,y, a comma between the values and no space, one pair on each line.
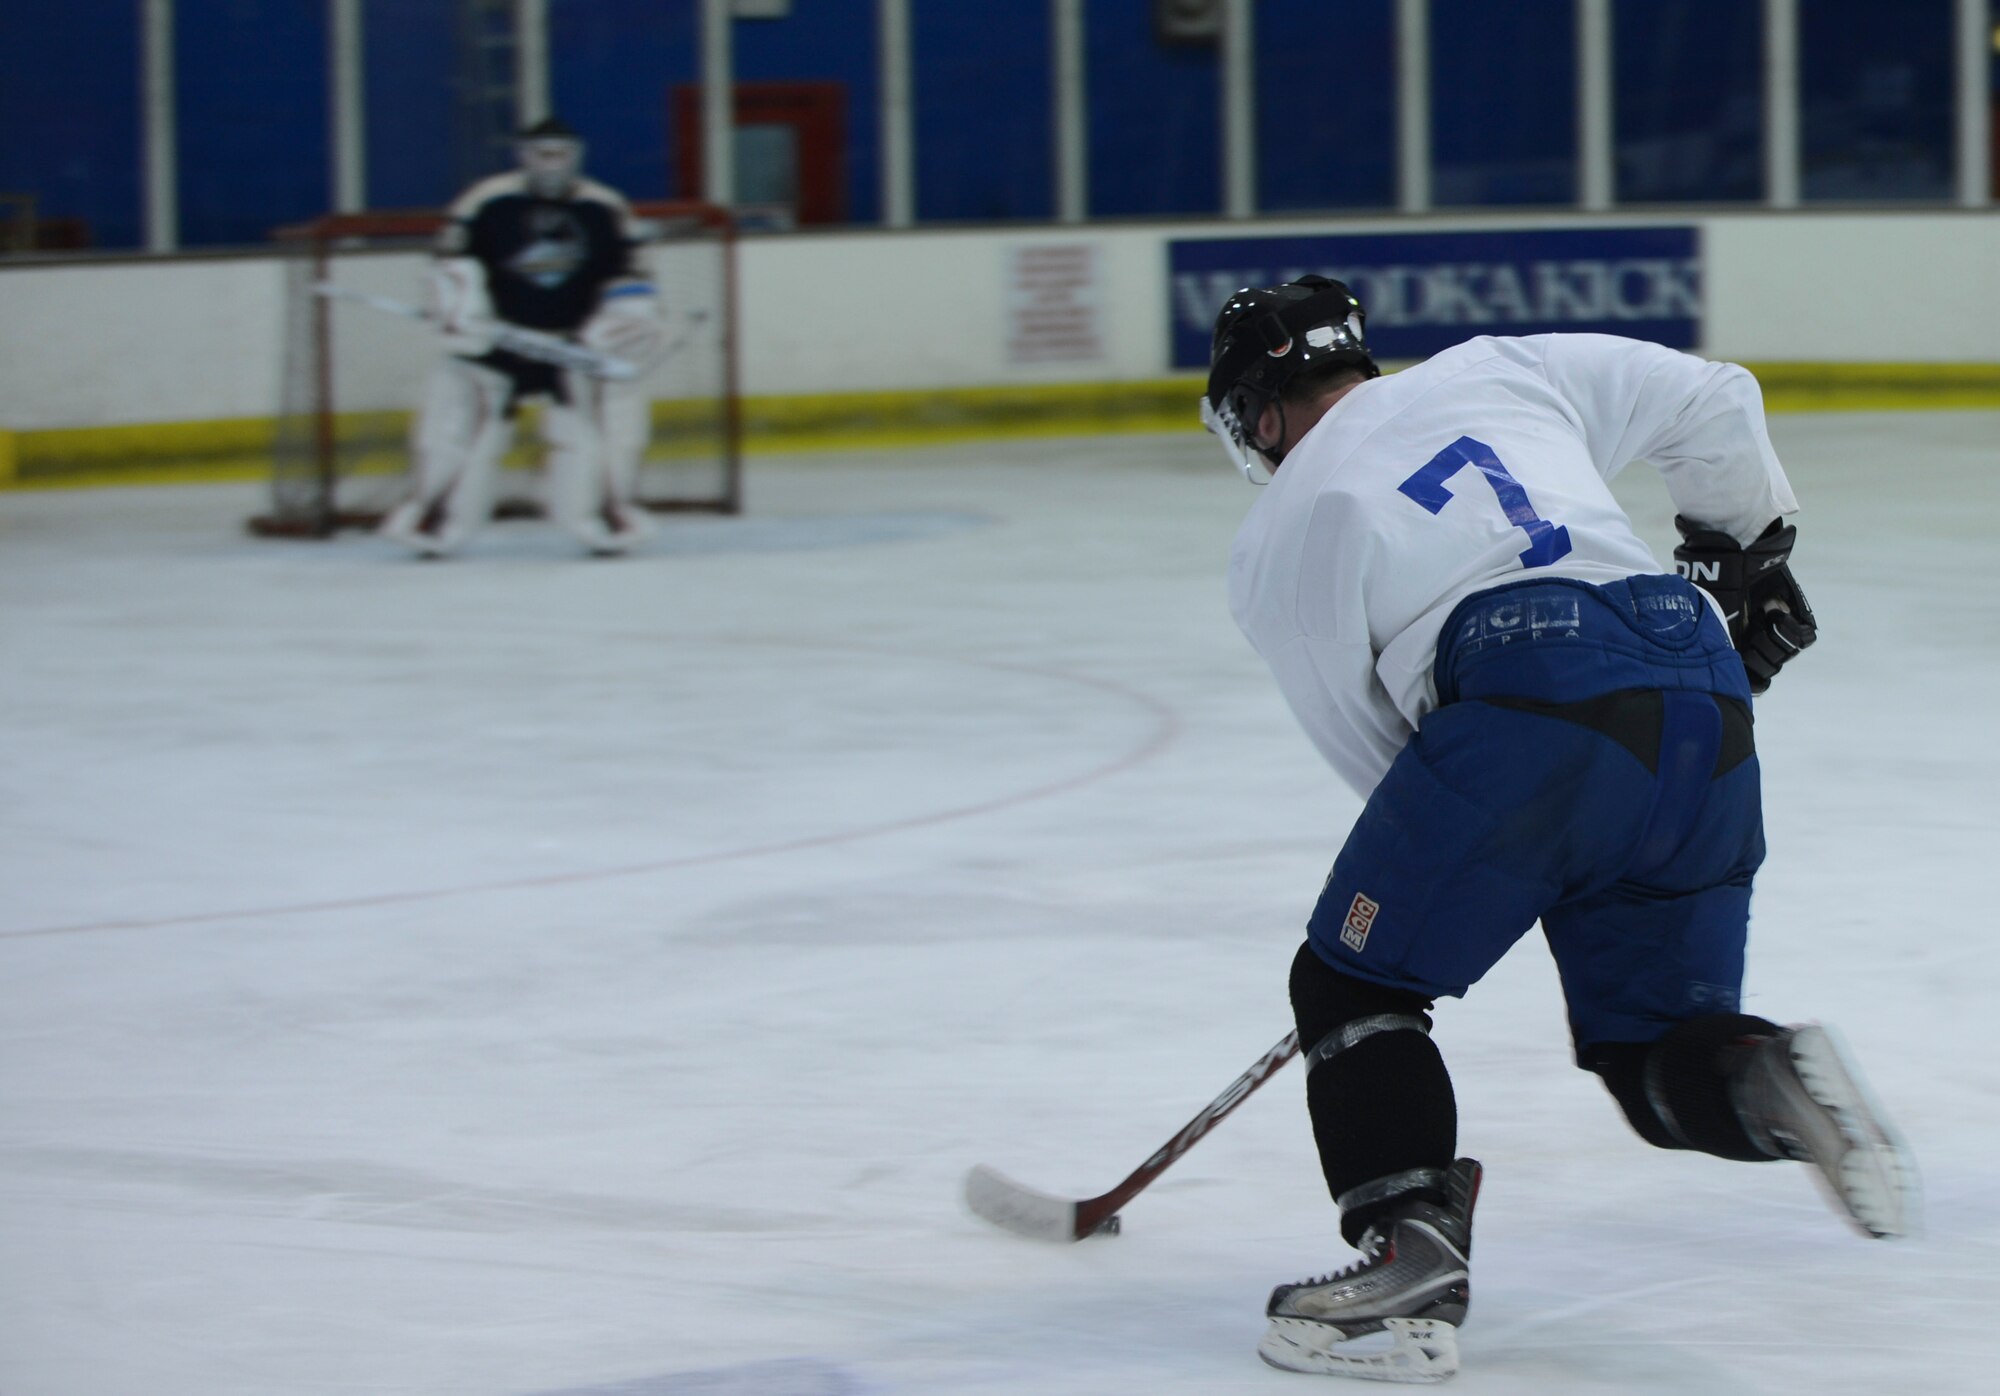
1428,291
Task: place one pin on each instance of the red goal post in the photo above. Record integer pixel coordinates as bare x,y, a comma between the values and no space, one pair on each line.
352,374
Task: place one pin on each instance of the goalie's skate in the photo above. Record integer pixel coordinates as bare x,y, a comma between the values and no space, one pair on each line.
615,530
1403,1300
416,528
1800,1099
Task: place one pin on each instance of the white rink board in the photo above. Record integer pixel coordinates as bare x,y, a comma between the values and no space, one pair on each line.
525,975
169,340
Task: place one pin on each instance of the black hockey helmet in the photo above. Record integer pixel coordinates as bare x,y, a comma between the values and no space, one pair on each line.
551,155
549,128
1263,338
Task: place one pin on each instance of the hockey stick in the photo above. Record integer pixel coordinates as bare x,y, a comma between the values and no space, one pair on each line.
529,344
1026,1212
695,320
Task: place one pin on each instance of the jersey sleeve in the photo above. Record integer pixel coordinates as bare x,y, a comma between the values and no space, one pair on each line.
1296,598
1700,424
1333,690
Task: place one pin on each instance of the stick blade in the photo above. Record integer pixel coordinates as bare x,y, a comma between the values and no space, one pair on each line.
996,1198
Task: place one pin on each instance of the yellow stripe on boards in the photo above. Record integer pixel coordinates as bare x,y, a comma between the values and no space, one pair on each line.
239,448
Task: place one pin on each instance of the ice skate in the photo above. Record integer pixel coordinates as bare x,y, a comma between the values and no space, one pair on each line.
616,530
1410,1286
1800,1099
417,528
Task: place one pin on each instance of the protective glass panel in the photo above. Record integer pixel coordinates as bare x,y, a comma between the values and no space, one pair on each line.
1875,99
983,96
1154,115
253,135
69,108
1516,62
1326,105
1689,106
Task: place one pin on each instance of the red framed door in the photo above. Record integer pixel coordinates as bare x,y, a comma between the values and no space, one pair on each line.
791,146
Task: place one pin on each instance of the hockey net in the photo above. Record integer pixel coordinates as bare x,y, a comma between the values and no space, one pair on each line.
352,374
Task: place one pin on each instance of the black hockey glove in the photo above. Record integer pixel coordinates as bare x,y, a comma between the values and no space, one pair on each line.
1769,621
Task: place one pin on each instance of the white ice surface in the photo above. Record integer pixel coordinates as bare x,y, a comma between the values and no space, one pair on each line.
528,974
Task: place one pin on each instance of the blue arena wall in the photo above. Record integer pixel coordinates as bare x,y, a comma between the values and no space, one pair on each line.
1876,120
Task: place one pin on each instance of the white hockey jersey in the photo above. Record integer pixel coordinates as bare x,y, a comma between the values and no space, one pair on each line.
1487,464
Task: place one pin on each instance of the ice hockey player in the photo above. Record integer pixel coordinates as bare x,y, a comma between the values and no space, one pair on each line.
1544,726
543,248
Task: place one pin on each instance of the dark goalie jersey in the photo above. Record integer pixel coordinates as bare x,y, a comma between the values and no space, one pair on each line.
546,260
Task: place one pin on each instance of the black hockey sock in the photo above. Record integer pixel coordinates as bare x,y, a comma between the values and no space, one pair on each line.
1381,1106
1675,1091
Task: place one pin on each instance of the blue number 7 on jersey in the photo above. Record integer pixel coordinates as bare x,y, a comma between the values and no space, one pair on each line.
1546,541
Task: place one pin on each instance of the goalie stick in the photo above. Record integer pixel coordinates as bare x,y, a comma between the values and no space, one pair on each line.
1026,1212
529,344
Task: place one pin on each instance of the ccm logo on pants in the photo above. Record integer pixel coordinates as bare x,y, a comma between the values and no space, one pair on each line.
1360,916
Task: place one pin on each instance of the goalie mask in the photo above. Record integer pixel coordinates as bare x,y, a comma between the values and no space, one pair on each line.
1264,338
551,156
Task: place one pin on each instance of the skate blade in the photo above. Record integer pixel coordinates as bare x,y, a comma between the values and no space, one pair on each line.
1422,1351
1876,1185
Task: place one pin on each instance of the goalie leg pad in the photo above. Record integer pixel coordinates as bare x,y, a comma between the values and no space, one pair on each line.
625,421
590,483
595,440
462,430
575,465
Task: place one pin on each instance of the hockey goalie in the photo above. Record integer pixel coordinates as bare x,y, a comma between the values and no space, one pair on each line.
537,292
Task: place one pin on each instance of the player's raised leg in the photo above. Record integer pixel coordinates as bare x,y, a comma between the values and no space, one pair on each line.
1742,1087
1800,1097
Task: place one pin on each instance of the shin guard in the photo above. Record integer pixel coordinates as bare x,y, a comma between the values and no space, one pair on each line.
1384,1117
1676,1092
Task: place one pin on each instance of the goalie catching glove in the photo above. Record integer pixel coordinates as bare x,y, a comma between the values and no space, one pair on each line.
1769,620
